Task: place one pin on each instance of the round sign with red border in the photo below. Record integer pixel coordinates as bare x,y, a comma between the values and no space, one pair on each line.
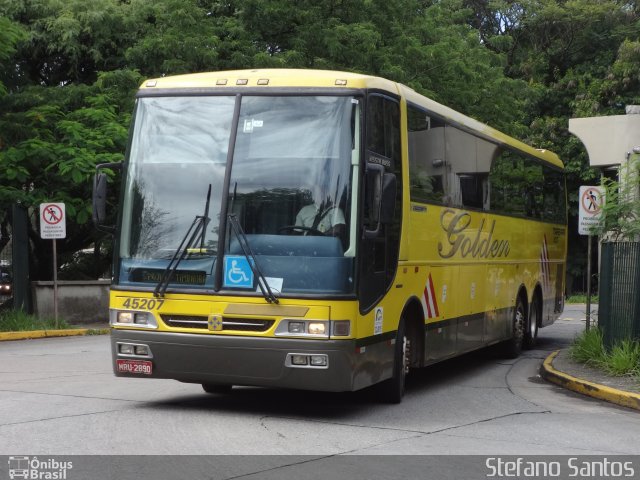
52,221
592,200
52,214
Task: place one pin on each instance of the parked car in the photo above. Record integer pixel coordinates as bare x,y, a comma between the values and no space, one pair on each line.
6,284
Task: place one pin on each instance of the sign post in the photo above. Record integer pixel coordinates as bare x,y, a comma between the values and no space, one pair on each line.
53,225
590,210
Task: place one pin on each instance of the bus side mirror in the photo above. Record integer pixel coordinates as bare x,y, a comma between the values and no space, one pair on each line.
99,200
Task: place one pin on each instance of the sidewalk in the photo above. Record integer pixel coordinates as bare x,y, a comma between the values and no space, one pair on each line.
558,368
75,330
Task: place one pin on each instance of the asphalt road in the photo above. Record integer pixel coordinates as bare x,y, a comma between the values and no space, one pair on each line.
58,396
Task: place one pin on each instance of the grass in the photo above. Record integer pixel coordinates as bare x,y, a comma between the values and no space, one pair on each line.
588,348
581,298
623,359
17,321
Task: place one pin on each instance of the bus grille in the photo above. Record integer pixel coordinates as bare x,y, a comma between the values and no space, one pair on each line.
246,324
185,321
228,324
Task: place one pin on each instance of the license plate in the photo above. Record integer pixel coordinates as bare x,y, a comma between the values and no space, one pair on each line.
143,367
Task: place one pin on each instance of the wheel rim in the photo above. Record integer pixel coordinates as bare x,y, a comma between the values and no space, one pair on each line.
533,323
518,325
405,355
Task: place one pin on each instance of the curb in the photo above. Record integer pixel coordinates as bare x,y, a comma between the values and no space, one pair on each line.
595,390
5,336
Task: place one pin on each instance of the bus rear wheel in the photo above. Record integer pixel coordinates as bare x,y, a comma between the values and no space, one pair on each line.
513,346
392,390
216,388
531,335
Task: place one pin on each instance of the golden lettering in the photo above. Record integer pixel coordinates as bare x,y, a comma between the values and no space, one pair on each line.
462,239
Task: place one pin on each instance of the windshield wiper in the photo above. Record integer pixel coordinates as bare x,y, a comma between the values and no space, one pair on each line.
267,293
195,233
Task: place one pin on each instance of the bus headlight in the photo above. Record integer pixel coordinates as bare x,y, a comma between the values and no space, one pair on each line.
317,328
124,317
303,328
296,327
132,319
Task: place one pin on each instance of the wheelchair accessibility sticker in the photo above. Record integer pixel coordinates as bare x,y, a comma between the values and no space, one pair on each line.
237,272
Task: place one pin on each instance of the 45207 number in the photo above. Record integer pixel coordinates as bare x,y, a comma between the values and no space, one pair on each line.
143,303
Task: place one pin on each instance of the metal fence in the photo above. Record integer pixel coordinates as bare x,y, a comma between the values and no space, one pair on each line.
619,303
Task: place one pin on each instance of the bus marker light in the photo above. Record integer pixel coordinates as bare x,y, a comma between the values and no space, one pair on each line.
341,328
299,360
221,81
341,82
242,81
317,328
263,81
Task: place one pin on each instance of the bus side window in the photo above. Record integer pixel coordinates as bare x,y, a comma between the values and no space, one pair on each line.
554,201
427,167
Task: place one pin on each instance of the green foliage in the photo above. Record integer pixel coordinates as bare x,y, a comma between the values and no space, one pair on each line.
70,68
588,348
10,34
18,321
581,298
620,220
623,359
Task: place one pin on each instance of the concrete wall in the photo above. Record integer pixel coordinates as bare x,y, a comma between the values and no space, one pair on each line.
607,139
79,302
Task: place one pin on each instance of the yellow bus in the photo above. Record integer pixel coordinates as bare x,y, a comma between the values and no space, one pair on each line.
323,230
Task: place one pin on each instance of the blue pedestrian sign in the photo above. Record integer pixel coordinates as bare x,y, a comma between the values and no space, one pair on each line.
237,272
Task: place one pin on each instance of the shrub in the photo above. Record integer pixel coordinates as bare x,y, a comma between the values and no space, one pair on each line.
588,348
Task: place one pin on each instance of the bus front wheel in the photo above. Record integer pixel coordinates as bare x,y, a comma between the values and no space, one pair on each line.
392,390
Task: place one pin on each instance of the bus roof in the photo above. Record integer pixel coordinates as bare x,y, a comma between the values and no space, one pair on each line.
300,78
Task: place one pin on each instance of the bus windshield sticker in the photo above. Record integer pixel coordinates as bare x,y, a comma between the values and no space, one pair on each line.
237,272
274,283
249,125
379,317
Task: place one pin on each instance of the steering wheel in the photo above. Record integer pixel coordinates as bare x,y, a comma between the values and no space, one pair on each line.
311,230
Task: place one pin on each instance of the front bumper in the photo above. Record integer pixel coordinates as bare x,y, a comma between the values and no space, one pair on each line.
237,360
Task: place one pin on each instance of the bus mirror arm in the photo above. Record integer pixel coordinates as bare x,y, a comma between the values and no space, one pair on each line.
99,199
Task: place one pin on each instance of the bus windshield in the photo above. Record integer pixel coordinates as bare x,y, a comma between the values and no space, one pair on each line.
290,186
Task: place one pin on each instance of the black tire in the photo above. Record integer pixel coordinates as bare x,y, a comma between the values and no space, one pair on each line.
513,346
392,390
531,334
217,388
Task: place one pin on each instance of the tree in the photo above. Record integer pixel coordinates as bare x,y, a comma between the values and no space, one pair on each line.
55,137
70,67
